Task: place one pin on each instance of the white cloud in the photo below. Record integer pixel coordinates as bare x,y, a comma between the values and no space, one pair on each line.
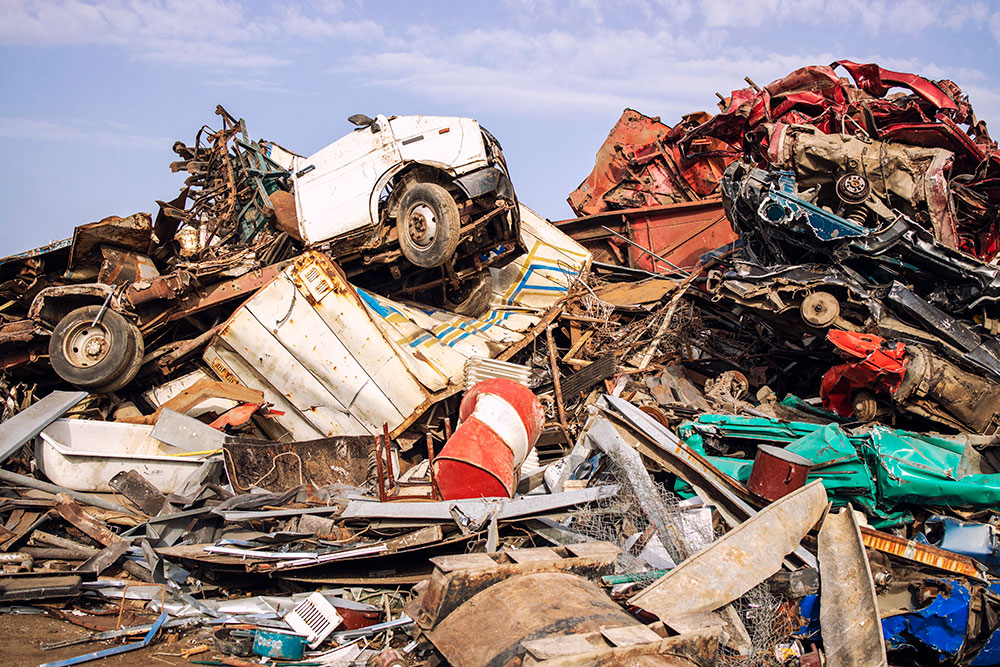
45,130
218,34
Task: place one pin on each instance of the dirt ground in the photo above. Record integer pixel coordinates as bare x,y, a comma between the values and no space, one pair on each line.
21,637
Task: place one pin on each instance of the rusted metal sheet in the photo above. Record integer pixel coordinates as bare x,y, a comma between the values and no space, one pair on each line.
636,646
679,233
922,553
133,233
237,288
642,163
737,561
848,616
122,267
279,467
458,578
489,628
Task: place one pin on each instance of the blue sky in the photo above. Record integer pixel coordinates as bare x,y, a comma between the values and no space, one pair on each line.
94,93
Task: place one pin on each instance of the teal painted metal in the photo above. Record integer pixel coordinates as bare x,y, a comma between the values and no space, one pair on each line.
278,644
881,469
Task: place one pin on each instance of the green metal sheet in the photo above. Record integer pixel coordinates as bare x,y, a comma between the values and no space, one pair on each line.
880,469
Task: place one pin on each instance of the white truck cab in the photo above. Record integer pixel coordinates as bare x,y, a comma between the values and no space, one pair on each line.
431,189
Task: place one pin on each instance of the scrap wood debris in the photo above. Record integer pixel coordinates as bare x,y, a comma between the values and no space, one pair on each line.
742,410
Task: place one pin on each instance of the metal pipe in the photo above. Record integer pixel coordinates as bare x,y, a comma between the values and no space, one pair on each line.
85,498
46,553
23,560
643,248
40,536
557,384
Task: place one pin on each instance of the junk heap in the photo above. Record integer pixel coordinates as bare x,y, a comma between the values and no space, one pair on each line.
365,408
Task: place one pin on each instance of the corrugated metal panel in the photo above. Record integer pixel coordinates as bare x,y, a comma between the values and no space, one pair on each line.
478,369
341,361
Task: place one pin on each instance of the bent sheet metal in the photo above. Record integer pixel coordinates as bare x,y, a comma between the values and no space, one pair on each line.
338,360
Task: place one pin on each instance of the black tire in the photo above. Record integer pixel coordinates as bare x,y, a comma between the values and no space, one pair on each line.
427,225
95,357
475,298
132,369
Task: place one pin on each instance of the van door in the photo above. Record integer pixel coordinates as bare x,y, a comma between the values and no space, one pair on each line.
333,187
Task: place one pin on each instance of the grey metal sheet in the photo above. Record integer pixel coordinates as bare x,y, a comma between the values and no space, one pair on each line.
186,433
28,423
509,509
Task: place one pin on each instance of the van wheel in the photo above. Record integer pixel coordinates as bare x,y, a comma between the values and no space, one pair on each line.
428,225
101,357
473,299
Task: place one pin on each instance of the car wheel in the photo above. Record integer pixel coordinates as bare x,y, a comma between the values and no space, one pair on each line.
428,225
100,357
474,298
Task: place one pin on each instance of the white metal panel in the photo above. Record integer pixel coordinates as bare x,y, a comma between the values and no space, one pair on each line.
339,364
371,358
332,198
292,425
453,143
280,367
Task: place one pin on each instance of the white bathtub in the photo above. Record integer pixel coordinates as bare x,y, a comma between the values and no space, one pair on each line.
84,455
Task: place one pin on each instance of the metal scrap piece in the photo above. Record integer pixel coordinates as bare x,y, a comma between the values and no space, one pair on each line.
473,507
28,423
849,615
922,553
737,561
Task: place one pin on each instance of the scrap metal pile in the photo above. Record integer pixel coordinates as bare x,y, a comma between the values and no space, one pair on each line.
365,408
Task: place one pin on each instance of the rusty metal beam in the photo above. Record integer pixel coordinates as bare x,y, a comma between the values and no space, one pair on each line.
922,553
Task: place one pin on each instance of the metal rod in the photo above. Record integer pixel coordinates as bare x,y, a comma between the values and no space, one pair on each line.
85,498
388,455
430,459
644,249
378,467
104,306
557,384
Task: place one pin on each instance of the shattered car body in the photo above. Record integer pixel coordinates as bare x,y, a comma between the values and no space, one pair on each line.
913,377
641,164
123,291
100,333
774,217
822,296
931,116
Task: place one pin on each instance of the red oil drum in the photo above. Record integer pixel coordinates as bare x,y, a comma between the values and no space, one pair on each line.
777,472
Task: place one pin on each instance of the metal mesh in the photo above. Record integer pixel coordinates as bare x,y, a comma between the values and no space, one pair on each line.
761,613
615,519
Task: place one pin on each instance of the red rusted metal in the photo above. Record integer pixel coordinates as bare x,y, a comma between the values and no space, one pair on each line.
642,164
500,423
873,364
237,416
930,117
679,233
777,472
388,454
381,474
